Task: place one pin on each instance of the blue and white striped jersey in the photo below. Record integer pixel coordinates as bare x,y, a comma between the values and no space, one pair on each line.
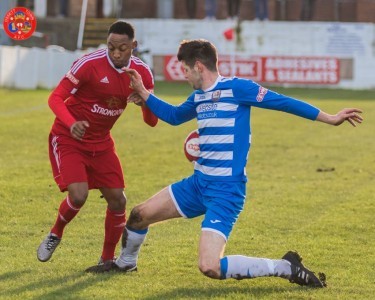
223,117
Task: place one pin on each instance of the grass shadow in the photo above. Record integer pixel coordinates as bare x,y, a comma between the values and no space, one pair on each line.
223,292
13,275
61,285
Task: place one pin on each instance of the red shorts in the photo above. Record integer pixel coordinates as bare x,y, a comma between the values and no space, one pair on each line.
73,161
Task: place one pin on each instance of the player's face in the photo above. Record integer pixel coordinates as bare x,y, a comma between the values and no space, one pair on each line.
120,48
192,75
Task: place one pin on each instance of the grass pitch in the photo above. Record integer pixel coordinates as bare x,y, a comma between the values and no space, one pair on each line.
311,188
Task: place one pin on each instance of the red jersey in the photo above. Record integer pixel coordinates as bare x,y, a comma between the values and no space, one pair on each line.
95,91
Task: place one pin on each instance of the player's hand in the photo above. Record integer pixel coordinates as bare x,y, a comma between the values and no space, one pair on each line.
78,129
136,99
136,82
348,114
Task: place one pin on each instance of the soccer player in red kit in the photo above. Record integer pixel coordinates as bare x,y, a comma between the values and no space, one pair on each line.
87,102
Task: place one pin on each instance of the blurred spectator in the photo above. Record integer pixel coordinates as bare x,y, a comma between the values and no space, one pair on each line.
210,8
191,7
261,10
307,10
233,9
99,8
63,9
24,3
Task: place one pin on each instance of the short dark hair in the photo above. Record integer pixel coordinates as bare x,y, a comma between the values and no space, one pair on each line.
122,27
191,51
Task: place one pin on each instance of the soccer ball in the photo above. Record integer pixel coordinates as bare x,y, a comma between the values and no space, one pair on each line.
191,146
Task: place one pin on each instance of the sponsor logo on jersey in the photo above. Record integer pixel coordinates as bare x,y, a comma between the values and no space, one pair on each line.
105,111
207,115
113,102
104,80
71,77
207,110
19,23
206,107
216,95
261,93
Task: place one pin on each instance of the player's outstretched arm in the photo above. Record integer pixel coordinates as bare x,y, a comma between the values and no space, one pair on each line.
347,114
171,114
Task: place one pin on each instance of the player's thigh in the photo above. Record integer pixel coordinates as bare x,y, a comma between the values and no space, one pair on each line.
105,171
68,163
187,195
224,203
159,207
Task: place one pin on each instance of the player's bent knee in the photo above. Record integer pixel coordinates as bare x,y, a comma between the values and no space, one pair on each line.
122,202
118,204
78,199
210,271
135,217
115,198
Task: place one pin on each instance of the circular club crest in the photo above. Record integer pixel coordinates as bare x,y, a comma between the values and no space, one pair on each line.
191,146
19,23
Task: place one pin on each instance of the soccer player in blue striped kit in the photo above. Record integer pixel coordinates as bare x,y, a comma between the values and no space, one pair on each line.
217,189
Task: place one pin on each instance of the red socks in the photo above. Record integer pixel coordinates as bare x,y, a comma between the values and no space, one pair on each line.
66,213
114,225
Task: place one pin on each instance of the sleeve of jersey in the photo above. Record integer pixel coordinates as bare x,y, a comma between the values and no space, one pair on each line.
148,81
149,117
56,102
71,82
253,94
171,114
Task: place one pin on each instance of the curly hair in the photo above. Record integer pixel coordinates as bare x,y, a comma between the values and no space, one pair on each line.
122,27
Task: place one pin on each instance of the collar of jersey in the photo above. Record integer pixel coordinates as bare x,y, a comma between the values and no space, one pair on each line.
113,66
216,82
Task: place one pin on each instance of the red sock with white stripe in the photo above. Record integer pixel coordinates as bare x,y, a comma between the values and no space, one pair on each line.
67,211
114,225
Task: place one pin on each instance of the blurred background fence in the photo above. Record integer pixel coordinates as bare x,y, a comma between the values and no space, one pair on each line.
295,43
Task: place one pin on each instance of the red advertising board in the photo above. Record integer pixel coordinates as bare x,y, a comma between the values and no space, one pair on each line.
304,70
228,66
241,67
269,69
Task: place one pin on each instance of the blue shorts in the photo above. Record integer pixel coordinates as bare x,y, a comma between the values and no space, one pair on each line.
220,202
